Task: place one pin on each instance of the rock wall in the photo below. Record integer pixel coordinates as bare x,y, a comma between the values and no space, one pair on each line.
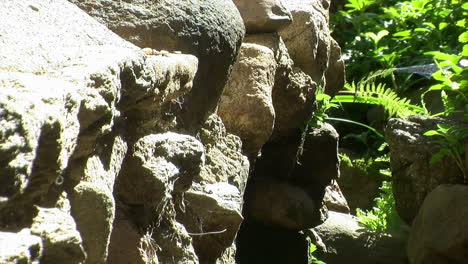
130,130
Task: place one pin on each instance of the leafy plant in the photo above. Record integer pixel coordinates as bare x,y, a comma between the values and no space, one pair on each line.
383,217
312,258
450,139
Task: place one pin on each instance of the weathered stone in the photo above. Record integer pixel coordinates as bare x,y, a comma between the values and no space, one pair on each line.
246,106
263,16
439,233
410,154
159,165
212,218
224,159
93,208
310,45
318,163
334,199
281,204
211,30
62,242
347,242
21,247
335,73
77,75
293,92
124,241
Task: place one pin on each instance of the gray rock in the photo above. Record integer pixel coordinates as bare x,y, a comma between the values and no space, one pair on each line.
263,16
281,205
224,159
158,166
318,162
293,91
334,199
310,45
346,242
410,154
211,30
62,242
246,106
78,79
93,208
212,219
439,233
21,247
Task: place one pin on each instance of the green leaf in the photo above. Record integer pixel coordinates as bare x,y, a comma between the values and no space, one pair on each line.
443,25
463,38
465,50
465,6
443,56
437,157
431,133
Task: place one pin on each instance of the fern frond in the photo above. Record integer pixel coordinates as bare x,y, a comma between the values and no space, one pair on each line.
371,77
377,94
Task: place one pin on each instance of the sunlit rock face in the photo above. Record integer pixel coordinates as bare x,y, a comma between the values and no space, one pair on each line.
124,137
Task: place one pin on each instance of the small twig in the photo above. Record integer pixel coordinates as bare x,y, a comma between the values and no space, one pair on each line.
207,233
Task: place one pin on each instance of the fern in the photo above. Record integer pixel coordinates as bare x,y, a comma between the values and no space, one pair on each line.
378,74
367,91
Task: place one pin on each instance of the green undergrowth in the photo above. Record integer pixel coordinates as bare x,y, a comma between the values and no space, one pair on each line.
402,58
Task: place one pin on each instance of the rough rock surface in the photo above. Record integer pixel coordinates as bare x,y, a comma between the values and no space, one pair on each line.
263,16
334,199
216,198
439,233
110,145
246,106
310,45
21,247
410,154
345,240
212,30
281,204
62,242
63,121
293,93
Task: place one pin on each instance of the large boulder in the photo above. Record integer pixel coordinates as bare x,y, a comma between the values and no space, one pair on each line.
69,90
281,205
263,16
212,30
20,247
414,176
439,233
62,242
213,205
347,242
310,45
293,93
246,106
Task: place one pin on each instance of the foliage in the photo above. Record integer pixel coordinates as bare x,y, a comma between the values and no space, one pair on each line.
312,258
450,139
389,33
395,37
383,217
452,81
368,92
